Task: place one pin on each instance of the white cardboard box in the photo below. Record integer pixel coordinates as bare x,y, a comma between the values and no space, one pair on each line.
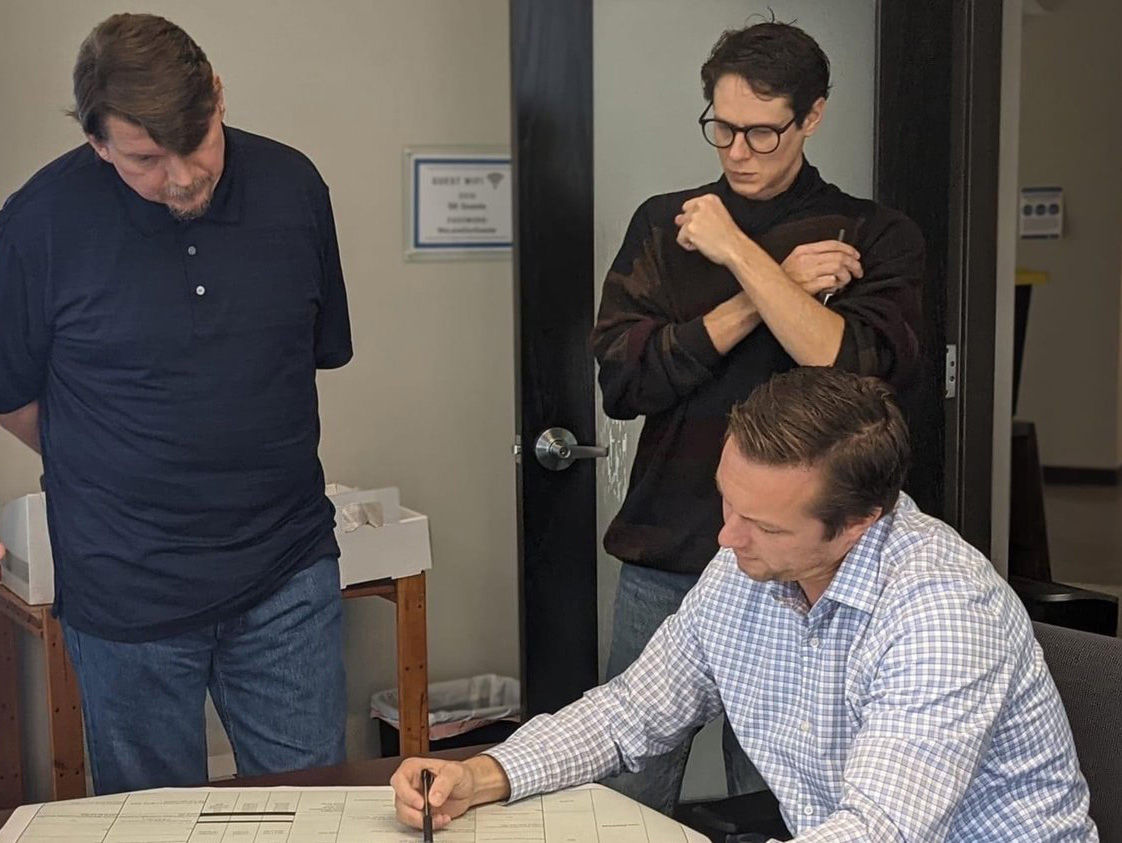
398,548
27,568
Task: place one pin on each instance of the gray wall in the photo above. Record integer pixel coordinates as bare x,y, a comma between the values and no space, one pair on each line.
1070,135
350,83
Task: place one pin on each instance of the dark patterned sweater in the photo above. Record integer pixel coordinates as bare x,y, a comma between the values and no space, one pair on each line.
657,360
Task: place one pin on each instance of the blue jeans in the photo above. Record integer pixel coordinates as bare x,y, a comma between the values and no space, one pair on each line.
275,674
644,599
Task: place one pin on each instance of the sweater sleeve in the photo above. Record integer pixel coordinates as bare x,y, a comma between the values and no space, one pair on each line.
883,311
648,361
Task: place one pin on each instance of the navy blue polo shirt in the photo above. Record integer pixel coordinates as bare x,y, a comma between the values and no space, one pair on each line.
174,364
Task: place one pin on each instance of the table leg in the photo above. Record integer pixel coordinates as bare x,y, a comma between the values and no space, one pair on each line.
64,705
412,664
11,749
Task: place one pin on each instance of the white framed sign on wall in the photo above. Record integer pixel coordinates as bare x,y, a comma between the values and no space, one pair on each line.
458,203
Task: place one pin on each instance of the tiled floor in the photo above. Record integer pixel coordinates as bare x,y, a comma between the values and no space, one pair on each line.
1085,536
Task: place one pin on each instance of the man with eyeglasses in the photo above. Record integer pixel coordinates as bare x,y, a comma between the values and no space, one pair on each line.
714,290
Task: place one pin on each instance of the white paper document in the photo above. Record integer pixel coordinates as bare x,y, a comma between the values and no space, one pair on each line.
588,814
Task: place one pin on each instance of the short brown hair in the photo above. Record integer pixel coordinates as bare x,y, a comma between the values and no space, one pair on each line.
848,425
148,71
776,59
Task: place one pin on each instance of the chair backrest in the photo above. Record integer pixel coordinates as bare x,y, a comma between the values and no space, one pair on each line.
1088,673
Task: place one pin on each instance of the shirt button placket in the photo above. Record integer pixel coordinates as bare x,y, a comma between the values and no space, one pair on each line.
200,290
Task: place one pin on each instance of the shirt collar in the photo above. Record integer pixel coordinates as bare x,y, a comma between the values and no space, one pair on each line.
862,575
225,207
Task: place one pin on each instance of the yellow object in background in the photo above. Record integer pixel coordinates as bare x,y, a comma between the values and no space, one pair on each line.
1031,276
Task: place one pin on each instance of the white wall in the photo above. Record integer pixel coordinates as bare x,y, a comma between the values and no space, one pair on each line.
1070,136
427,404
647,58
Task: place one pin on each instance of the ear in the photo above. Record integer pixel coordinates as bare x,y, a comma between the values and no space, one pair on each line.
854,530
100,147
814,117
221,95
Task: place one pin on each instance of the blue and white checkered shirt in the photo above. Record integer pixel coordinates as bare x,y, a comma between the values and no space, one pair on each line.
910,703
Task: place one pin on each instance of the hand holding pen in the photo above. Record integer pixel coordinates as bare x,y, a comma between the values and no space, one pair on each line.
426,786
824,268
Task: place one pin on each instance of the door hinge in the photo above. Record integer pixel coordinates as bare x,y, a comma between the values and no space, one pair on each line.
950,372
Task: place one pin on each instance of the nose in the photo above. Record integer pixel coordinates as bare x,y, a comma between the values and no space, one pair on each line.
740,150
178,172
733,534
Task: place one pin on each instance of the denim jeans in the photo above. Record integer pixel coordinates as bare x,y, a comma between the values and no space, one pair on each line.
275,674
644,599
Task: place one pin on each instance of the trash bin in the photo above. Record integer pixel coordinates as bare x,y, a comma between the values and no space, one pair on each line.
462,712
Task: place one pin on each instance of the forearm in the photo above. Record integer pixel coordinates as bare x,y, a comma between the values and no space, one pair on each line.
648,366
554,751
808,331
731,321
490,781
24,425
644,712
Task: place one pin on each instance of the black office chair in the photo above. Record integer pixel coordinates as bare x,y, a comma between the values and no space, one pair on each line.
1030,567
1088,673
728,820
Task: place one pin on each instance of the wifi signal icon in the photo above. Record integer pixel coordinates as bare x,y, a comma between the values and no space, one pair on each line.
495,179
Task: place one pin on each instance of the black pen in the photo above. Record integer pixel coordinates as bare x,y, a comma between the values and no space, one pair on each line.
426,783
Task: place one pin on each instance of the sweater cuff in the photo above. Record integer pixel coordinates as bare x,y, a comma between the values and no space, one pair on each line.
693,338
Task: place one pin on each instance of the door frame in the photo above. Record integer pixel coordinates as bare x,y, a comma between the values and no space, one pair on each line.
938,68
551,152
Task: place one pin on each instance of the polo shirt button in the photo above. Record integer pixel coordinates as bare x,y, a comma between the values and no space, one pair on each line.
814,642
200,290
809,810
191,250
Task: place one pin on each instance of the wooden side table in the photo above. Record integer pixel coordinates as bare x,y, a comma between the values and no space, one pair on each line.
408,593
64,703
68,756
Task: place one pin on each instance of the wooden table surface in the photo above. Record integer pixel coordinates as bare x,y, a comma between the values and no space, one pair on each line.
352,774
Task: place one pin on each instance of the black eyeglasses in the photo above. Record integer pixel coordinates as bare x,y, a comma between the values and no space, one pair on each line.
760,139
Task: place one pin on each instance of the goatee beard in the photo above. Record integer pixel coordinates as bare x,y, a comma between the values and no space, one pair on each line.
186,214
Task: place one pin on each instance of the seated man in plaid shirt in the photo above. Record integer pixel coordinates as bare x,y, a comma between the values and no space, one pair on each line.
874,667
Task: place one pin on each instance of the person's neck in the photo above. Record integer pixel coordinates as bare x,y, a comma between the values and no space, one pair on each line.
814,587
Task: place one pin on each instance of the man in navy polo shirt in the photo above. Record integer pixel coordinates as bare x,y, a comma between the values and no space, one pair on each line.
167,292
